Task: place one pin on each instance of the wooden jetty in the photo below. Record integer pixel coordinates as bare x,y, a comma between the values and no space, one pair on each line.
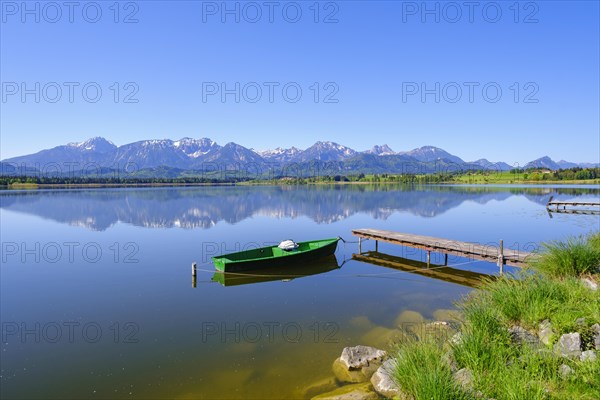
473,251
444,273
575,207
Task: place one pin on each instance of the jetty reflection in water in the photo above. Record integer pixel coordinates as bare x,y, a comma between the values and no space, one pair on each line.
285,273
441,272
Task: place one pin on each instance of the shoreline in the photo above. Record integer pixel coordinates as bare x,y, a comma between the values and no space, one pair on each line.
287,182
31,186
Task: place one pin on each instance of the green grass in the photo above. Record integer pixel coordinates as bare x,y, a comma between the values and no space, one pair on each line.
422,373
549,289
572,257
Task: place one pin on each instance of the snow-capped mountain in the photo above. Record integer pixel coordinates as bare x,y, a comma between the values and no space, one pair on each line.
280,155
96,144
195,148
325,151
233,153
431,153
383,150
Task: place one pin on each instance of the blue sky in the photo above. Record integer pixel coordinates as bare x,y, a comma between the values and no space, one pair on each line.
370,66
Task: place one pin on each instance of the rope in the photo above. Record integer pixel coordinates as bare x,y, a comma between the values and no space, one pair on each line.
347,241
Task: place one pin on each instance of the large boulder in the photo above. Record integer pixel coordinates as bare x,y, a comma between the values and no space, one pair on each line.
361,356
382,380
359,391
569,345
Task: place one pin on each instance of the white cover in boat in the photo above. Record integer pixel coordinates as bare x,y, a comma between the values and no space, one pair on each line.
288,245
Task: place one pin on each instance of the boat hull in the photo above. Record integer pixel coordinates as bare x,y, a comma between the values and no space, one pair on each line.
273,257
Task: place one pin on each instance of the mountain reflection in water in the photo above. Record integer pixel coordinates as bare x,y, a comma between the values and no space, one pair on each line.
204,207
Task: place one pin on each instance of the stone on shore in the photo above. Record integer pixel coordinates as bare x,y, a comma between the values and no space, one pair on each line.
596,330
382,380
587,282
569,345
546,332
564,371
520,335
588,355
464,377
361,356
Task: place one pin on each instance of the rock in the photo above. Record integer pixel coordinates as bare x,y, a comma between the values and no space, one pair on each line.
596,335
384,337
361,356
588,355
569,345
382,380
436,329
408,319
587,282
580,322
452,316
359,391
361,322
564,371
546,332
596,330
448,358
360,375
520,335
456,339
318,387
464,377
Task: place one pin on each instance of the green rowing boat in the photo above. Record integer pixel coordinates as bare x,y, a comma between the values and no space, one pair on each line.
274,256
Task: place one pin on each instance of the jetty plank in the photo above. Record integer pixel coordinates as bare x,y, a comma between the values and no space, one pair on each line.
464,249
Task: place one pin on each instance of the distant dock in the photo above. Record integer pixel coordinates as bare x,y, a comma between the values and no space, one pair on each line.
475,251
573,207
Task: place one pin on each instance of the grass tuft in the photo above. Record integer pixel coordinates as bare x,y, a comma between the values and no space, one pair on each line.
422,374
573,257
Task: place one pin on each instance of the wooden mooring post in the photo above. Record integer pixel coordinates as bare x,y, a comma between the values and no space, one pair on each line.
194,275
501,256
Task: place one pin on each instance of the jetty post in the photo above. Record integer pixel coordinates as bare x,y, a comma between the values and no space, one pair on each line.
501,256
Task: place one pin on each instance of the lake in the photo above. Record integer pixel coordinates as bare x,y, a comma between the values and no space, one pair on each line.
97,298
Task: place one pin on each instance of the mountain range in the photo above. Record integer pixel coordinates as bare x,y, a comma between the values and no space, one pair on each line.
204,154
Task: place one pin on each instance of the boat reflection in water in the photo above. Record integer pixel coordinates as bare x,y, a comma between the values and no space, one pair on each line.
441,272
283,273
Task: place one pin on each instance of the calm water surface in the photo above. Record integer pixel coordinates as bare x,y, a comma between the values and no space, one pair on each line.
97,298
